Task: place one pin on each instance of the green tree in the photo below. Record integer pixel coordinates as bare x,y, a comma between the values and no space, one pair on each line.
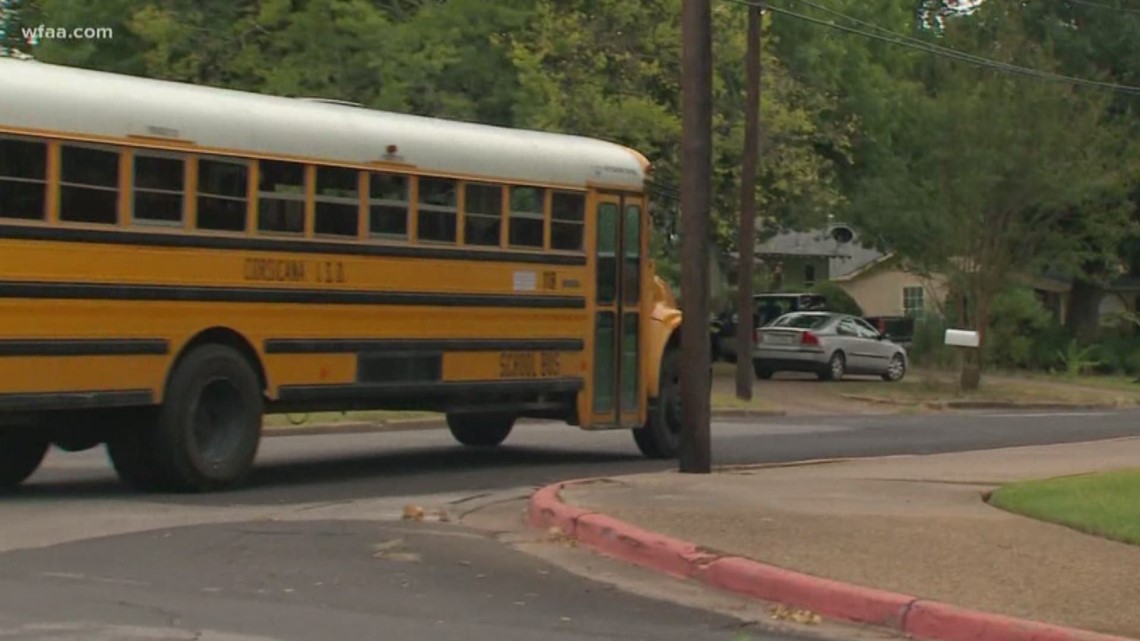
12,41
611,69
986,168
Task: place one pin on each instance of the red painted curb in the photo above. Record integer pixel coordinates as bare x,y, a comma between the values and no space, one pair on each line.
546,510
642,547
932,620
824,596
834,599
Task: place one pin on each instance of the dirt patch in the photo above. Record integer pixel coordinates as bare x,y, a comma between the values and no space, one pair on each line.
802,394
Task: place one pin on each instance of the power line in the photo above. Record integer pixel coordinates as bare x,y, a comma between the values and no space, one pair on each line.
910,42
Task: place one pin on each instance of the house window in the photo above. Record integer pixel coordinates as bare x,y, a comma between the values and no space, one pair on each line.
914,304
809,276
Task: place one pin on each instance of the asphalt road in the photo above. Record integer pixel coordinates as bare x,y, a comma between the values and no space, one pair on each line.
315,548
331,468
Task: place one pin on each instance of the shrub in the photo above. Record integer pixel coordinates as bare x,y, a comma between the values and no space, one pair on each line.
1018,322
837,299
928,345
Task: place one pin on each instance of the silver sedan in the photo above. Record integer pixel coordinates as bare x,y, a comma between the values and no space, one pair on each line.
828,344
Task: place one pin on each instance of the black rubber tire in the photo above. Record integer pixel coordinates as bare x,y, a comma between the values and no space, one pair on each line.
836,368
762,373
894,378
205,436
480,430
660,437
20,456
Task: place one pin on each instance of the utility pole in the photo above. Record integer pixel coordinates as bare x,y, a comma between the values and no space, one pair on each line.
746,242
696,198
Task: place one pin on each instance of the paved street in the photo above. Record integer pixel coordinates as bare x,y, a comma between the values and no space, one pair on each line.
316,547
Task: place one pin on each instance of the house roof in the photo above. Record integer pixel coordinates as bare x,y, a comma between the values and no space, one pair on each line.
816,243
844,259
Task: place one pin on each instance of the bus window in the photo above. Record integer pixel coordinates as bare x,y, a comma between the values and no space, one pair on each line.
338,202
483,214
222,194
23,179
567,220
158,189
527,216
89,185
281,197
388,206
438,210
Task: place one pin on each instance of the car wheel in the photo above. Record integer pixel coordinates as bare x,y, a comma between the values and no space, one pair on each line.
762,372
836,368
896,370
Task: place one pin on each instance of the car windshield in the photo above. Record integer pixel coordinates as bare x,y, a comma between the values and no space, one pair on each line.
802,321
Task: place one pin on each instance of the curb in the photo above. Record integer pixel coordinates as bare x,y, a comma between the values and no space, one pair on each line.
915,617
980,405
416,425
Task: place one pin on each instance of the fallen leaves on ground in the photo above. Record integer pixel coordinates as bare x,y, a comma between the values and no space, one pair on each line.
794,615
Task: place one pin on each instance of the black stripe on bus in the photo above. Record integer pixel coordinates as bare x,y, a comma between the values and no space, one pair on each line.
84,347
103,291
77,400
344,346
153,239
404,391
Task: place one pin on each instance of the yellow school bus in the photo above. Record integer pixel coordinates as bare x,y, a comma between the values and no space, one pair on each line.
177,261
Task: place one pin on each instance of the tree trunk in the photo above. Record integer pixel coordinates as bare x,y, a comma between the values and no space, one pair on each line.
971,377
1083,312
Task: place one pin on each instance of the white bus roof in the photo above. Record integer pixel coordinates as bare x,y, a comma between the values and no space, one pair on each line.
67,100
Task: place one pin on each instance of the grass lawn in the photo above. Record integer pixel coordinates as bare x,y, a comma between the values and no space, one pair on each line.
922,386
726,401
1102,504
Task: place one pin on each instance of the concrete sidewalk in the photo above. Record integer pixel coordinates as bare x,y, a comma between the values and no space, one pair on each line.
915,525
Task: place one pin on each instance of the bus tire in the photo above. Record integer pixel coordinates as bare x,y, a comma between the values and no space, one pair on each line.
131,450
209,426
660,437
480,430
20,456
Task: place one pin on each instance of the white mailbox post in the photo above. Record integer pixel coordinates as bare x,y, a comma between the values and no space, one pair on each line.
963,340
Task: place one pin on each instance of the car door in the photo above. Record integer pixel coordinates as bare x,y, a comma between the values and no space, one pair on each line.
847,339
878,350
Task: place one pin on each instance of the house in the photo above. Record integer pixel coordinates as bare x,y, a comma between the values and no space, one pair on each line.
793,260
882,285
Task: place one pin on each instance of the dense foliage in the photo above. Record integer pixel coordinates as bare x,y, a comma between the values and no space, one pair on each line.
961,167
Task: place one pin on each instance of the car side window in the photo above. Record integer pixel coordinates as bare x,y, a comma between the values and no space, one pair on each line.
847,328
865,329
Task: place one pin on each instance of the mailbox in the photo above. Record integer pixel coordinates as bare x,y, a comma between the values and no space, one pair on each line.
961,338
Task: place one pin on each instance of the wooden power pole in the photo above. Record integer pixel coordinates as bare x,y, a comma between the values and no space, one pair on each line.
696,198
746,242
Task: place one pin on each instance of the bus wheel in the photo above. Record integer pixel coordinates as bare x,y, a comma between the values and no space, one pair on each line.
20,456
131,450
660,437
480,430
209,426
